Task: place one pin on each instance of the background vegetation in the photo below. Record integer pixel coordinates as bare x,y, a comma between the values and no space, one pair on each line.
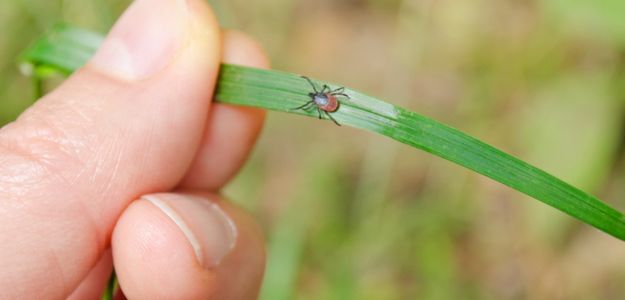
351,215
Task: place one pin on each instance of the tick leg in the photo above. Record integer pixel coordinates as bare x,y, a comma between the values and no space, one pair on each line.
325,87
308,106
319,112
331,118
341,94
338,91
311,83
302,107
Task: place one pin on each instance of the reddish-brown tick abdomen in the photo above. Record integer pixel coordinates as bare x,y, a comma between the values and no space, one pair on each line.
331,105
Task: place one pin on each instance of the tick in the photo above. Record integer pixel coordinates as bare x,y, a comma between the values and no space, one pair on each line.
324,100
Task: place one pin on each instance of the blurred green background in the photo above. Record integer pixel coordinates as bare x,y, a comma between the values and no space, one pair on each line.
351,215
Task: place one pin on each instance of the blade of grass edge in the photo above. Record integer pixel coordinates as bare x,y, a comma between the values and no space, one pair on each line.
66,48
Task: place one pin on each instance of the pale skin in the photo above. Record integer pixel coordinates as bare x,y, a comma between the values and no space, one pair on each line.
83,171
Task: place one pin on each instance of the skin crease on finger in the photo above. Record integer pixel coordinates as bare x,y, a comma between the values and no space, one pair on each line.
93,285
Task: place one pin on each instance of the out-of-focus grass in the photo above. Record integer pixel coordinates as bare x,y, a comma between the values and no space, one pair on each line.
354,216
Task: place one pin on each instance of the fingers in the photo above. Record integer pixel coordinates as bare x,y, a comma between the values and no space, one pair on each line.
94,284
127,124
231,130
183,246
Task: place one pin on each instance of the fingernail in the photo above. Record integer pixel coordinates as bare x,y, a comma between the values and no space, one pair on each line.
209,230
144,40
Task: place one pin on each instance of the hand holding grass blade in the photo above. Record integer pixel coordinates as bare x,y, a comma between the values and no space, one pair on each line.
66,48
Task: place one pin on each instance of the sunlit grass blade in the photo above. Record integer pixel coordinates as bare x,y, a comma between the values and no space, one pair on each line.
66,48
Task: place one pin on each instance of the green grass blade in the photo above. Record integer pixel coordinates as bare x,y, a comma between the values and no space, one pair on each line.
67,48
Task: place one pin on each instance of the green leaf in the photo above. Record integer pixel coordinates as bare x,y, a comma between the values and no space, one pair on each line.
66,48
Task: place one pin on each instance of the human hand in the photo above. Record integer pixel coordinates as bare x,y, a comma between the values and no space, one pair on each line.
135,123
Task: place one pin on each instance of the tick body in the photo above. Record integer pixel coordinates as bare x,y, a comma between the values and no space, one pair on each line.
324,100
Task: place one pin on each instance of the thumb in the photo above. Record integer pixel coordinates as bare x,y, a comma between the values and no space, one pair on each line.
127,124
